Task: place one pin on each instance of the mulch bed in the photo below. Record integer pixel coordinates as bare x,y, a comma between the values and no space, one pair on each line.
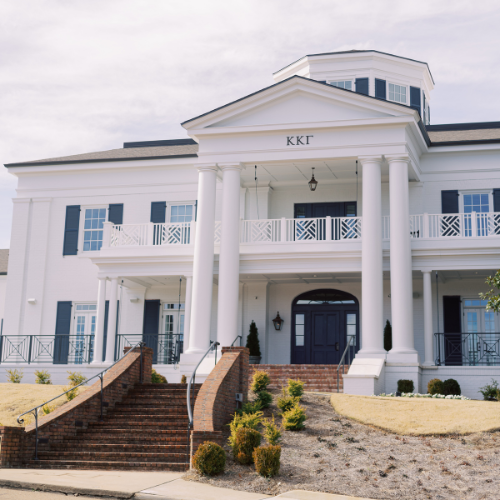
336,455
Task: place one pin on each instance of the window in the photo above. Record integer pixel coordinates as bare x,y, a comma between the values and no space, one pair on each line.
82,344
351,328
92,232
181,213
342,84
479,203
171,342
299,330
397,93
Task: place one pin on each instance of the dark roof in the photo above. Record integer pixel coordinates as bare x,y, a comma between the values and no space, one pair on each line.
354,52
461,134
151,150
4,260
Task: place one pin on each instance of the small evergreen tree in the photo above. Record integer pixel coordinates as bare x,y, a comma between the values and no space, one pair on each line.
388,336
253,340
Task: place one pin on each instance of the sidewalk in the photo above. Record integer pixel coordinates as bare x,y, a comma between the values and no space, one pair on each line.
137,485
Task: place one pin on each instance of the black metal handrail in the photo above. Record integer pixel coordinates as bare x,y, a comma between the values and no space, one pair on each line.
213,346
342,361
238,337
467,349
100,375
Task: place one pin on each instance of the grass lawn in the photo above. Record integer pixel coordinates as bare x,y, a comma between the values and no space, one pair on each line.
18,398
420,416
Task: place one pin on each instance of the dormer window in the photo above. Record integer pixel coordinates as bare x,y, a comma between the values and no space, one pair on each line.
397,93
342,84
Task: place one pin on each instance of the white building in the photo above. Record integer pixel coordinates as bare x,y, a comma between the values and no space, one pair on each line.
404,226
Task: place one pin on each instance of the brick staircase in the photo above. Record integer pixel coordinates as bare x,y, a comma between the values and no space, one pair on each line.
146,431
317,378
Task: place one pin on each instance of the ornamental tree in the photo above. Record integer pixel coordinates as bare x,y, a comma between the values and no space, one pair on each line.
493,297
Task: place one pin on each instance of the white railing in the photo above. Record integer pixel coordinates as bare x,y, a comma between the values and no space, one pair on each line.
260,231
217,232
471,225
127,235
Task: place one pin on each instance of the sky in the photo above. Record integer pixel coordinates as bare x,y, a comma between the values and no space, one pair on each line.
87,75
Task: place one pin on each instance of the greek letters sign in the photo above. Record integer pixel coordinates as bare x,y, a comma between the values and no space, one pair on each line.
298,140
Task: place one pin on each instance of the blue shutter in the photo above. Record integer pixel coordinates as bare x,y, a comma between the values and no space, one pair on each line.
380,89
71,226
321,81
61,341
415,99
496,200
449,202
452,319
423,108
116,213
158,211
151,326
362,86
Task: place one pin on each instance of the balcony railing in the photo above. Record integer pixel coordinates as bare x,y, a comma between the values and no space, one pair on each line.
421,226
467,349
167,347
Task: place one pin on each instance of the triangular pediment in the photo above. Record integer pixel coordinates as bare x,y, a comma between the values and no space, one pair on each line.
298,100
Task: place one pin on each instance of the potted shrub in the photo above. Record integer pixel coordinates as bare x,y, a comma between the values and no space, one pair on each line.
253,344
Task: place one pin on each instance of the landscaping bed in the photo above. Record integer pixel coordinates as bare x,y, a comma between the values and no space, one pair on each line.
337,455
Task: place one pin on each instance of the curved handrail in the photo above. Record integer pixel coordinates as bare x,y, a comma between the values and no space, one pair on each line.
341,362
238,337
100,375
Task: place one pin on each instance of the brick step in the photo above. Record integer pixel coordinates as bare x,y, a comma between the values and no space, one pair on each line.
121,447
138,417
129,456
158,411
164,398
146,427
151,403
126,438
118,465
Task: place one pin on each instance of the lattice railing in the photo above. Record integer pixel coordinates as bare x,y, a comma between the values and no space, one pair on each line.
260,231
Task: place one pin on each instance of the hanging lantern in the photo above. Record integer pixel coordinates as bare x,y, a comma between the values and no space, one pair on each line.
313,183
278,322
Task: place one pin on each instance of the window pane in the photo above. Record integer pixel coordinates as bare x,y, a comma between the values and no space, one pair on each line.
351,330
299,330
88,213
299,319
102,213
351,319
299,341
484,199
468,302
348,85
467,199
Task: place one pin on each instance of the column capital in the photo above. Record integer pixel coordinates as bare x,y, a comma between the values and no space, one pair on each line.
424,271
231,166
370,159
203,167
400,158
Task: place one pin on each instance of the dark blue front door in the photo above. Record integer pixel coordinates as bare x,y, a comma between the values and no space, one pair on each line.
322,322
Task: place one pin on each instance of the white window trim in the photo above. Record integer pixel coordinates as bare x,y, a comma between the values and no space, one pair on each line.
407,87
82,227
75,313
461,193
168,213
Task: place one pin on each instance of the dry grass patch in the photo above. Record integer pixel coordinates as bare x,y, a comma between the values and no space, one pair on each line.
18,398
420,417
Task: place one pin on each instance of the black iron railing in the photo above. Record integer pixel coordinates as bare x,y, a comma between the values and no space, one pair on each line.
239,339
167,347
36,409
346,359
467,349
57,349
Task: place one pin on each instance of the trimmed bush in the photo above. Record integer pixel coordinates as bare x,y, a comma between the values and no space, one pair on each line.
71,394
295,388
250,408
244,421
245,442
15,376
451,387
253,340
264,398
42,377
435,386
267,460
293,420
183,379
260,381
286,403
490,391
272,432
156,378
209,459
405,385
76,378
388,336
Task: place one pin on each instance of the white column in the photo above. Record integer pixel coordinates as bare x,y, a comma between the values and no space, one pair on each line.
229,259
99,334
203,264
428,330
112,313
372,339
403,348
187,309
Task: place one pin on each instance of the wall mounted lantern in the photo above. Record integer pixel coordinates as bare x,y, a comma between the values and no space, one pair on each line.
278,322
313,183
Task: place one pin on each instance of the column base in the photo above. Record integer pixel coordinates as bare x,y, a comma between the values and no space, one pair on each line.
403,356
372,353
366,377
429,364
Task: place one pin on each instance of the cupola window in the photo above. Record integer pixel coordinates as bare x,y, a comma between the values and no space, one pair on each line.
342,84
397,93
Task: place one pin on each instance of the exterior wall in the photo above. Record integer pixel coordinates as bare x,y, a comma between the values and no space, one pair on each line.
3,289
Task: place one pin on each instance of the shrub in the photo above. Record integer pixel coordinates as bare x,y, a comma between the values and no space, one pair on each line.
253,340
71,394
76,378
156,378
489,391
405,385
46,409
435,386
293,420
388,336
42,377
245,421
272,432
246,440
15,376
209,459
267,460
451,387
295,388
265,399
286,403
249,408
183,379
260,381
